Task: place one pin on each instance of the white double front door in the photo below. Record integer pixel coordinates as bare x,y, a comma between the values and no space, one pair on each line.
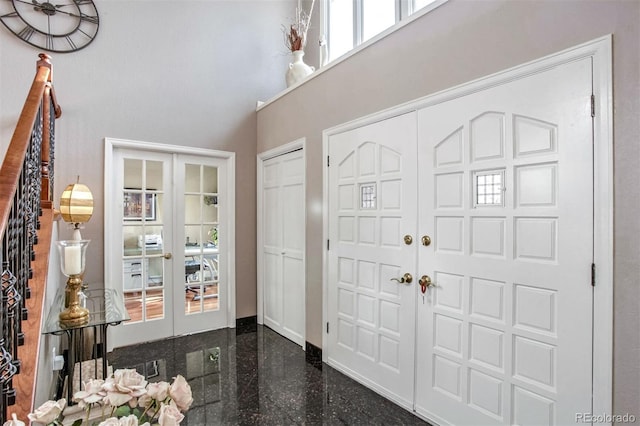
487,200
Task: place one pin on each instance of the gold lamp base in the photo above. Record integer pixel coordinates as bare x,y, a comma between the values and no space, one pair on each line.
74,315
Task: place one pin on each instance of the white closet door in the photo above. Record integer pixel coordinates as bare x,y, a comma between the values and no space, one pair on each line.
507,198
284,244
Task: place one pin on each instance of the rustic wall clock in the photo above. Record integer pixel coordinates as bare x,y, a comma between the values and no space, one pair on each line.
63,26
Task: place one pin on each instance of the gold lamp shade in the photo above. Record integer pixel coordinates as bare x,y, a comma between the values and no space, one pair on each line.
76,203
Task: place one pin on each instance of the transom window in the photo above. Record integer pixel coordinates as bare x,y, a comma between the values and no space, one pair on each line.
349,23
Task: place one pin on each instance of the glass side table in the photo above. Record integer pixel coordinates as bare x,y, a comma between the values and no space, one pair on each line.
106,307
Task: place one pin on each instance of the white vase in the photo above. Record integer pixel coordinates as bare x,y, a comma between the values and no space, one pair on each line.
298,70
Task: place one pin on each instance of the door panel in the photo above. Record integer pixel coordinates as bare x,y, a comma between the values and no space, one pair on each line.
293,241
372,205
272,244
142,180
506,195
283,248
200,191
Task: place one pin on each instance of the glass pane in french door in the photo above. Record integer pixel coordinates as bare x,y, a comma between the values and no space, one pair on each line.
201,262
142,251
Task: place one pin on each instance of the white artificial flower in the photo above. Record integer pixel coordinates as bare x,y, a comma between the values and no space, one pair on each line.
180,393
48,412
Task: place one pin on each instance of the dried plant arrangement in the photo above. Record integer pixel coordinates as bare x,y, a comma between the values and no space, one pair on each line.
295,37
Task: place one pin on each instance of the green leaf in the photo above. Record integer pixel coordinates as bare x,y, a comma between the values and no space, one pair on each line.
122,411
78,422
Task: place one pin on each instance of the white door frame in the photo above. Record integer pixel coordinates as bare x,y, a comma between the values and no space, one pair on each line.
600,52
261,158
110,144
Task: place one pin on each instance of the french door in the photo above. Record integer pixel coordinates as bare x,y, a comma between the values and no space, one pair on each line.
495,189
167,242
203,294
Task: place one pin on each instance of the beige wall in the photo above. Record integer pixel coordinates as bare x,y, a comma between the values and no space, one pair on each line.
460,41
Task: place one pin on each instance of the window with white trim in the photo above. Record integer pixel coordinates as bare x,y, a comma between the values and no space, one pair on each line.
368,196
488,188
349,23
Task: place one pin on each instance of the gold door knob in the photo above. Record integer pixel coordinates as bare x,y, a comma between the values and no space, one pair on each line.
425,281
406,278
426,240
167,256
408,239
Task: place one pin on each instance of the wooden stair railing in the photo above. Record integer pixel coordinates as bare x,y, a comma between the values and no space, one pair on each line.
26,187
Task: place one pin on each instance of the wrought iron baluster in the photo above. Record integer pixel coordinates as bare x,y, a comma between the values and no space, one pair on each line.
10,264
34,173
11,302
7,372
52,145
33,170
17,266
5,357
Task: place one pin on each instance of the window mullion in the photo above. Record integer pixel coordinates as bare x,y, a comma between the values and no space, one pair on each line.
401,10
324,18
358,22
325,24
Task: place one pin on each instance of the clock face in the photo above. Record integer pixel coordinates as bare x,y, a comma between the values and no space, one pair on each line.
62,26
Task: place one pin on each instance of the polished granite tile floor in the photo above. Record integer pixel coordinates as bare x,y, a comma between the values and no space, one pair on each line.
257,377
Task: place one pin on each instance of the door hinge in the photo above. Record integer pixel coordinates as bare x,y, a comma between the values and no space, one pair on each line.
327,327
593,106
328,161
593,274
327,245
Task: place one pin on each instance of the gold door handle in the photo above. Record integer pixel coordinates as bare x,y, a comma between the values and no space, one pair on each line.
425,281
167,256
406,278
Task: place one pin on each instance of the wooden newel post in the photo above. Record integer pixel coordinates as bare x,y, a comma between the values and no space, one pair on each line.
46,196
